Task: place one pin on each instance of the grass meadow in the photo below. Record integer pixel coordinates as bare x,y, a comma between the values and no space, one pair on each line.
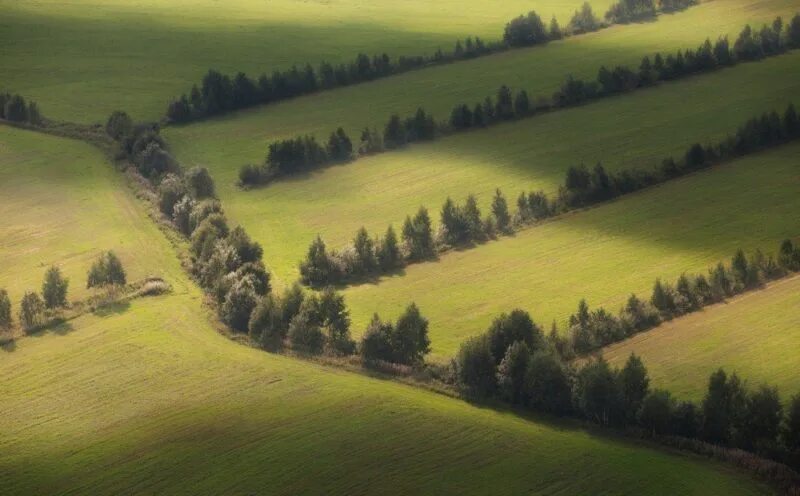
754,335
148,398
602,254
639,129
62,204
84,59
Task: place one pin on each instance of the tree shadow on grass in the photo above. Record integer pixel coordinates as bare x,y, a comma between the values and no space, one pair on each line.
115,308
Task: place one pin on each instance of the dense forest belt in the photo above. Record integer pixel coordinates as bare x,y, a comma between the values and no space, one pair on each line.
304,153
463,226
219,94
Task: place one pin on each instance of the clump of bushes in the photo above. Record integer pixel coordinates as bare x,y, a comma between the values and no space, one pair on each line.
14,108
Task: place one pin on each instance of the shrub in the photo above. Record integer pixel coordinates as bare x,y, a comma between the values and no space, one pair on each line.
119,125
170,192
199,182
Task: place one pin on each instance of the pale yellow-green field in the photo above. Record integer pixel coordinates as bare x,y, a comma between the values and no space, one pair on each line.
62,203
755,335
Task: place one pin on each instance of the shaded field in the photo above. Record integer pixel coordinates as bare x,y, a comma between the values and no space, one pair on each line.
601,254
755,335
62,204
152,400
638,129
84,59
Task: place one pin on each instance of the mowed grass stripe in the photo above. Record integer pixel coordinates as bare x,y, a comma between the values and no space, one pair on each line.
63,204
601,254
755,335
151,400
634,130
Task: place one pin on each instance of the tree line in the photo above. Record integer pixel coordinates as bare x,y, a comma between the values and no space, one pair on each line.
228,264
320,323
14,108
514,362
462,225
36,310
634,10
219,93
459,225
303,153
590,330
225,261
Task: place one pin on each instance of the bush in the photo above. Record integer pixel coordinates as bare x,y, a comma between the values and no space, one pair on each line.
170,192
54,288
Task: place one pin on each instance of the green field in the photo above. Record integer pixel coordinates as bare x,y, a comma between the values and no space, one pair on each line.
602,254
84,59
62,204
639,129
147,398
755,335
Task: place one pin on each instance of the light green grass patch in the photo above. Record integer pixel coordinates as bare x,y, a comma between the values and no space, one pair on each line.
602,254
151,400
755,335
62,203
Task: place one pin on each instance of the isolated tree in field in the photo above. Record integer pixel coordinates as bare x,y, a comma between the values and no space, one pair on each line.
119,125
16,109
31,311
500,211
107,270
635,384
511,372
410,342
54,288
5,310
199,183
388,251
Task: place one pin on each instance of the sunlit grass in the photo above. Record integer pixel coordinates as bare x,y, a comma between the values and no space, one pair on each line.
754,335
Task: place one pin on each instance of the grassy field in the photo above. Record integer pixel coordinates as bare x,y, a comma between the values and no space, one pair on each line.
639,129
755,335
62,204
147,398
150,400
83,59
602,254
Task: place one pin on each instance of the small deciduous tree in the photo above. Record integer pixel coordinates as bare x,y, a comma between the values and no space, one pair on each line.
305,333
410,342
106,271
199,183
265,324
54,288
5,310
376,343
119,125
475,367
31,311
511,372
656,412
